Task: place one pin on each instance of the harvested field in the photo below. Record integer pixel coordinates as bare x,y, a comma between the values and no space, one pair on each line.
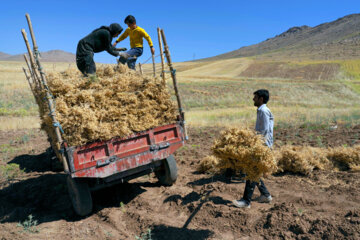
315,71
324,205
116,103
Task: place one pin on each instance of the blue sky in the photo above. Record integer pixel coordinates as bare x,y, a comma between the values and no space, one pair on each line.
194,29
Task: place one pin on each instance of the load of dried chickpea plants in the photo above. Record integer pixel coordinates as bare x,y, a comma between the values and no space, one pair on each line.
115,103
243,149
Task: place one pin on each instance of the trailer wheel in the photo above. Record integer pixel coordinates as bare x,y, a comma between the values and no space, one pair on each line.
80,196
167,174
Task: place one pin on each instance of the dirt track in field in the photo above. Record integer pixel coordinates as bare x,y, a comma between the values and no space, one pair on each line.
198,206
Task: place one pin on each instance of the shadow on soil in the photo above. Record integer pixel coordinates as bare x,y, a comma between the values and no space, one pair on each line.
34,163
229,179
46,199
194,197
173,233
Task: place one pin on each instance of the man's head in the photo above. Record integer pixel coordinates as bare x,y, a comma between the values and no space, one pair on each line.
115,29
261,97
130,21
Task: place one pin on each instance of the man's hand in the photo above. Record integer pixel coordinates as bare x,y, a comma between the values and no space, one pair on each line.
114,44
152,50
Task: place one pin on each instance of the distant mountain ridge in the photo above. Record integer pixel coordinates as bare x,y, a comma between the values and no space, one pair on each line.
4,55
48,56
332,40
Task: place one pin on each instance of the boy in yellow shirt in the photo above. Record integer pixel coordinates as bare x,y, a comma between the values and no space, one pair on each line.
136,34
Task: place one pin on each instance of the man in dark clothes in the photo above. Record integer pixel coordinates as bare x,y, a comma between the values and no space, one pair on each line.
97,41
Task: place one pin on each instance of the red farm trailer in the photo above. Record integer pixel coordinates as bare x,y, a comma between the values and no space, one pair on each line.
104,163
101,164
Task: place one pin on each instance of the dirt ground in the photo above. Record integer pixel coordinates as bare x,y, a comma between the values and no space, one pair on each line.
325,205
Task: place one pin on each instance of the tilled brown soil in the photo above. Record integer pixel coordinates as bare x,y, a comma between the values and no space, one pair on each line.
325,205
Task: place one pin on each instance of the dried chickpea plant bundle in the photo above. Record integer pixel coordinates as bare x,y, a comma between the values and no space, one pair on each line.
115,103
243,149
345,158
302,159
208,164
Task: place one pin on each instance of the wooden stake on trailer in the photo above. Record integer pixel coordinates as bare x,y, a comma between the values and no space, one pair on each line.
153,61
162,56
34,81
172,71
28,79
31,56
140,68
48,95
35,47
32,87
43,78
173,75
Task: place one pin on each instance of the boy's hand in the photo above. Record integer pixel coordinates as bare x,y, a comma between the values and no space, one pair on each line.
152,50
114,44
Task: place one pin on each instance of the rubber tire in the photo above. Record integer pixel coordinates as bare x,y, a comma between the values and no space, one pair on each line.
167,174
80,196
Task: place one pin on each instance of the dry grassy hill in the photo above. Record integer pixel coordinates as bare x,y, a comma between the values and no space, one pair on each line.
48,56
339,39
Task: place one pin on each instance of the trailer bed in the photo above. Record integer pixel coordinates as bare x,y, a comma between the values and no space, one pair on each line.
106,158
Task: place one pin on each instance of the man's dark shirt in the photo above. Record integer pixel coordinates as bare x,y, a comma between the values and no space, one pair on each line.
98,41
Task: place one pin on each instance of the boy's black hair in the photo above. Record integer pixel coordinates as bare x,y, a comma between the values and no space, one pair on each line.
264,94
130,19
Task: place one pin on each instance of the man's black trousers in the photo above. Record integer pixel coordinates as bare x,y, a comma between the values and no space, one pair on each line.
250,187
85,59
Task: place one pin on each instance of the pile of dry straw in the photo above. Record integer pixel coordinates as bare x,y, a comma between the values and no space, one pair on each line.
345,158
209,164
115,103
304,159
242,149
